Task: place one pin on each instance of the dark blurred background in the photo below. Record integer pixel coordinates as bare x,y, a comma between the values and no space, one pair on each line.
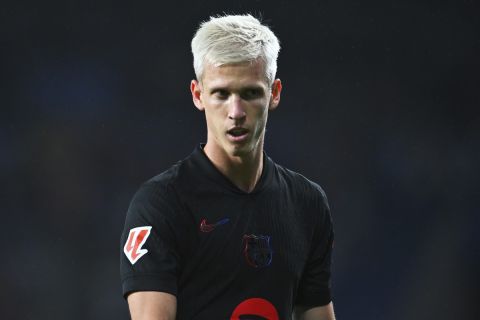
380,106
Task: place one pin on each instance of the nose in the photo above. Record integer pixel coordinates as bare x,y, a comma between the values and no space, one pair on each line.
236,110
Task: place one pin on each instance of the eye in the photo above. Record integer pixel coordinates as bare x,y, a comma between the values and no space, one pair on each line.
252,93
221,94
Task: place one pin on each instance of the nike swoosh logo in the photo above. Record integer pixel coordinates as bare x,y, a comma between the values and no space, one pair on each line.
204,227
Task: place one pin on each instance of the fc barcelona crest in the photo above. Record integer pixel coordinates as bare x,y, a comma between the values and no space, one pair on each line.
257,250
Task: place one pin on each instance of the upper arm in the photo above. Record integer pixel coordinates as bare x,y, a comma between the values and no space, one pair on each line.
152,305
314,291
315,283
150,253
317,313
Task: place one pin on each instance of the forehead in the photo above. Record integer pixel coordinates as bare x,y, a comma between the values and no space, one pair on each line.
235,74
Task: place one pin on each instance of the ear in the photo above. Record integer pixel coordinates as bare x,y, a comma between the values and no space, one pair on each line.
275,98
196,90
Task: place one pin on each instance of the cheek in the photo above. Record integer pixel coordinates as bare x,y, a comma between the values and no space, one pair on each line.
214,118
261,116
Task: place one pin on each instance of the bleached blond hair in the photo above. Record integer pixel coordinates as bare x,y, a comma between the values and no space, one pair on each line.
235,39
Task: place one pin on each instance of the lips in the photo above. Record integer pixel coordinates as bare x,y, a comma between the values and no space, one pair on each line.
238,131
237,134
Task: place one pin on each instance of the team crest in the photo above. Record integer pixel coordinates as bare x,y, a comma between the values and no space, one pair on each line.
257,250
133,247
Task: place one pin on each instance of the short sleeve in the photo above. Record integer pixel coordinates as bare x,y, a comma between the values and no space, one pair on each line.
149,259
315,284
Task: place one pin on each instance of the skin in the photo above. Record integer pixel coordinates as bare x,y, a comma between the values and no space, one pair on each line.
236,95
317,313
152,305
232,96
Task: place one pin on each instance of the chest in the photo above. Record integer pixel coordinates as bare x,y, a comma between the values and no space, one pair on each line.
263,236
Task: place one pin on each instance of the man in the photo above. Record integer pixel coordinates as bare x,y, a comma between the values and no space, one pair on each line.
227,233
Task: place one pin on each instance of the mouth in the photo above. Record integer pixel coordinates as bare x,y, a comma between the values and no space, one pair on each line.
237,134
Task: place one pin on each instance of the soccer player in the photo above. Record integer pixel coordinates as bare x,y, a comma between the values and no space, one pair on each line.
227,233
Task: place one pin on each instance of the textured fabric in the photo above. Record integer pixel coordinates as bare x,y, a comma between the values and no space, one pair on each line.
226,253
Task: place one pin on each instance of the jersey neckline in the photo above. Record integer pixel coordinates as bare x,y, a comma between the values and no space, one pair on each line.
201,159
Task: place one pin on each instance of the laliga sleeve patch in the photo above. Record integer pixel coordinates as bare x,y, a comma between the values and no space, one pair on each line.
133,247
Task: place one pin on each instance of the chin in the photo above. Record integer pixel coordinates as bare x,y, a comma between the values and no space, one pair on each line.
240,150
236,152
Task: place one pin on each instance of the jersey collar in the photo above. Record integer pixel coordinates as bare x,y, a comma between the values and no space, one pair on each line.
211,172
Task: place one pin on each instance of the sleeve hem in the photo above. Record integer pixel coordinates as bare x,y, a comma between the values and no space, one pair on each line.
155,282
315,299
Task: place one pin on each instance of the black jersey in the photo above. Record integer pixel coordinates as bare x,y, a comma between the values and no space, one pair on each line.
225,253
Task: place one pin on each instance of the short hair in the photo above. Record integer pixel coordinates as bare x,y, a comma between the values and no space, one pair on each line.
233,39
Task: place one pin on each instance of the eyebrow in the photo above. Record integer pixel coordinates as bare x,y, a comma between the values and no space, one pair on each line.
225,88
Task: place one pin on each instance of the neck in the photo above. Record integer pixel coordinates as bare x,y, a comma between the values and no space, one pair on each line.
243,171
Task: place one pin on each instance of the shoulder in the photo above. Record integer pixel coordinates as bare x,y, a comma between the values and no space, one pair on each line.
308,198
160,185
299,185
159,196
